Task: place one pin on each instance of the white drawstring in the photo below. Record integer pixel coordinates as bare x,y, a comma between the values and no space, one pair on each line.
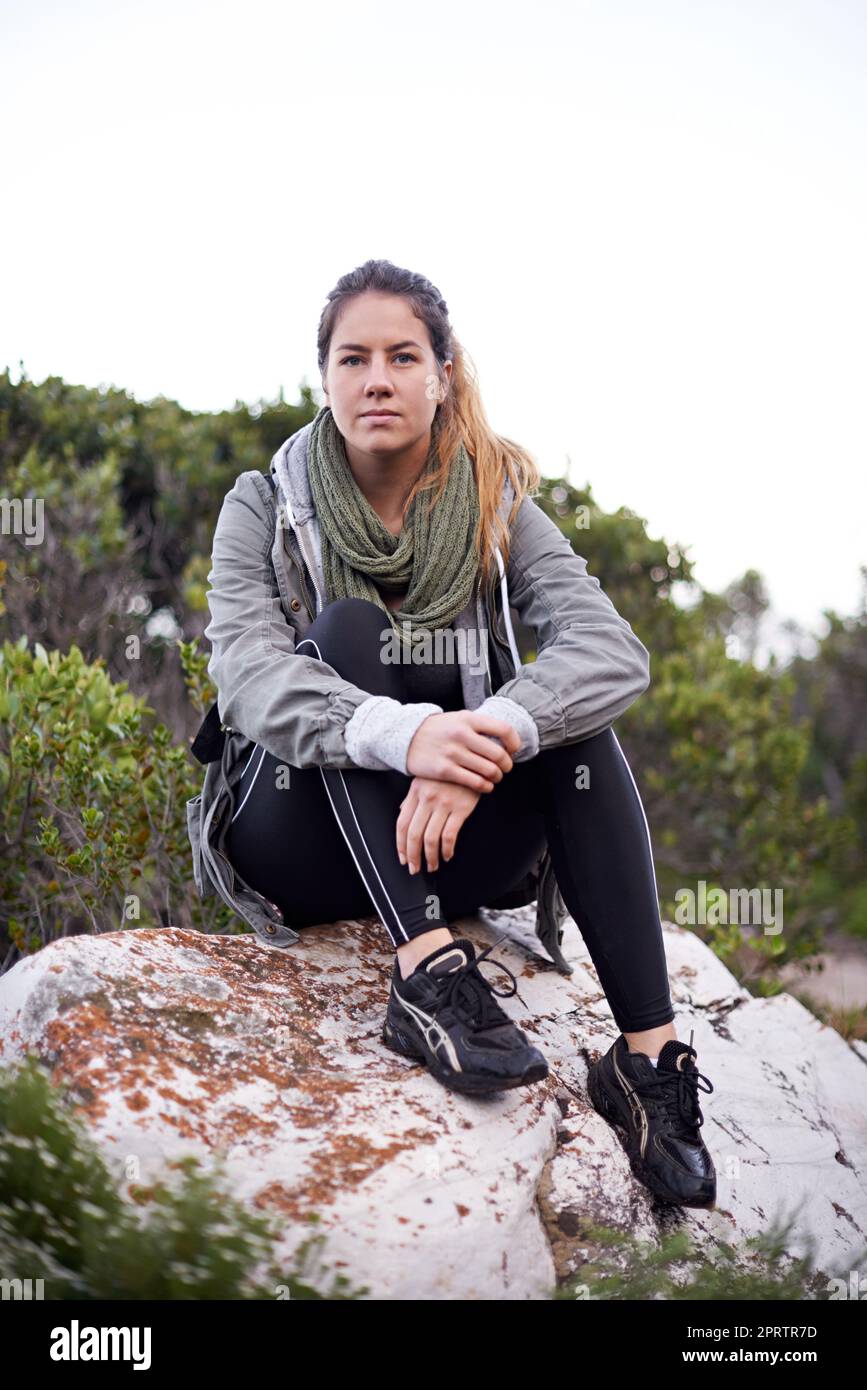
504,591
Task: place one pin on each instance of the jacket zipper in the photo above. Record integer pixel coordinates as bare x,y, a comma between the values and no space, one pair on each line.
290,543
300,569
289,515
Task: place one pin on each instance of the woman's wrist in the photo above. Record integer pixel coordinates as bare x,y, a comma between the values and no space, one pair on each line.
381,729
521,720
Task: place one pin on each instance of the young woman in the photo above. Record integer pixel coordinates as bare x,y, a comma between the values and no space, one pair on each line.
391,768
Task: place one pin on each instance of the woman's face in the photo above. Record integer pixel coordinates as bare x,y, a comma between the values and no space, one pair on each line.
381,359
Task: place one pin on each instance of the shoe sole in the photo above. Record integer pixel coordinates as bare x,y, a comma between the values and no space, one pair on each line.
464,1082
605,1107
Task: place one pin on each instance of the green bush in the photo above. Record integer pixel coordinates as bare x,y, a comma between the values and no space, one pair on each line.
92,805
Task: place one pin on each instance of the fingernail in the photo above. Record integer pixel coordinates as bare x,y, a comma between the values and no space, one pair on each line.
401,858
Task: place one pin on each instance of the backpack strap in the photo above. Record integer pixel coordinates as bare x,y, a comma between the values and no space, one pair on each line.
208,743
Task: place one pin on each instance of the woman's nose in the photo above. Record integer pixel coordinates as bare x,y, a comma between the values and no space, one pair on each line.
378,376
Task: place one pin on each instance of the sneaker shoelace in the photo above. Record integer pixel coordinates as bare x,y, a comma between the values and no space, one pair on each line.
469,994
676,1094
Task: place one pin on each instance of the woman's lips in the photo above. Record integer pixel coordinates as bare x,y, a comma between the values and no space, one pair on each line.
377,419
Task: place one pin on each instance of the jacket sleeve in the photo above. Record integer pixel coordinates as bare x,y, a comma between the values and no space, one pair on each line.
295,706
590,666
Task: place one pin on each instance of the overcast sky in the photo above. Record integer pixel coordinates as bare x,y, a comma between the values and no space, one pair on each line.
648,220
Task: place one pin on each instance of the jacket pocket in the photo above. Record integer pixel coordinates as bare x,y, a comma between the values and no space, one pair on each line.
194,831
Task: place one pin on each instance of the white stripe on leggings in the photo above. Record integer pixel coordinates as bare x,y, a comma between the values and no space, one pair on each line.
644,818
252,783
400,925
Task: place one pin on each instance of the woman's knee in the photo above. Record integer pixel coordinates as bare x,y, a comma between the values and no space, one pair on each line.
354,636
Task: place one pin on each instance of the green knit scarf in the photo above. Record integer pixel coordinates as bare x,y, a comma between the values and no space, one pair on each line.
433,557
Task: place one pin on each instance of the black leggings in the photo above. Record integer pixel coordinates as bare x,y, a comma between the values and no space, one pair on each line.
321,842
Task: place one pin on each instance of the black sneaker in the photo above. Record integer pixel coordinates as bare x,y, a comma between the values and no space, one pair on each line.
658,1109
443,1015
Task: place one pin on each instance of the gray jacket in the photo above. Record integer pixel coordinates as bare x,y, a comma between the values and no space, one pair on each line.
266,588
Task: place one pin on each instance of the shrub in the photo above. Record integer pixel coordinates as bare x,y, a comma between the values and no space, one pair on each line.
93,812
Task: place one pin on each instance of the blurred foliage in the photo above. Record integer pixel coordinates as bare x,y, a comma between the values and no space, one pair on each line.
620,1266
93,833
831,697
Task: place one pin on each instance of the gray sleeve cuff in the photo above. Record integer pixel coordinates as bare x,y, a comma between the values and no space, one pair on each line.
501,707
381,729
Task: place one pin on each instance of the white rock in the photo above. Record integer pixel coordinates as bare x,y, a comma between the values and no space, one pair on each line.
177,1043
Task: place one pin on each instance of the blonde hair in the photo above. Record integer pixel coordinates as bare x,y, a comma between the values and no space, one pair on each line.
460,417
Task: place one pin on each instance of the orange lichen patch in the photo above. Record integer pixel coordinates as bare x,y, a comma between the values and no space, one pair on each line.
168,1093
249,1065
235,1119
75,1040
181,1124
98,1077
345,1164
205,1038
281,1198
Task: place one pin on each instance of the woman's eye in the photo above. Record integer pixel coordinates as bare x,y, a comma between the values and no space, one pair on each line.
356,358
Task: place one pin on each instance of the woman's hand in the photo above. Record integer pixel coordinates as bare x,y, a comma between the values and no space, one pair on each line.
458,747
432,813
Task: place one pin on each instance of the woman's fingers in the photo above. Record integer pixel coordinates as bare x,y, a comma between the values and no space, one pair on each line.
425,815
488,749
487,725
454,772
476,768
449,836
432,835
414,817
479,761
430,819
407,810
